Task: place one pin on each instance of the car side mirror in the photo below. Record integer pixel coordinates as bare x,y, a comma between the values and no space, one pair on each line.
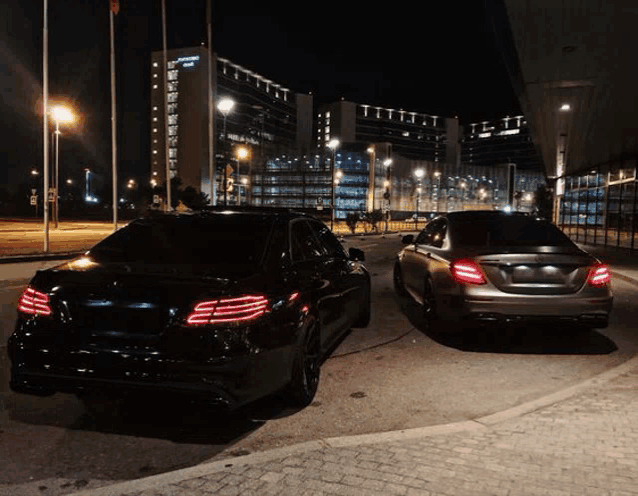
356,255
408,239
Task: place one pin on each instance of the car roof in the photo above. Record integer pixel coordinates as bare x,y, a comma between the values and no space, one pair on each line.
211,212
482,214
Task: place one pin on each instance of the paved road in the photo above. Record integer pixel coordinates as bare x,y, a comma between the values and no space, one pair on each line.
413,380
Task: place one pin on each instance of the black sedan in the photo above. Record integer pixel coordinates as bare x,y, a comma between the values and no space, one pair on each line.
227,305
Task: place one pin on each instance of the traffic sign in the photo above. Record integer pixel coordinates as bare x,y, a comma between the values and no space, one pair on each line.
156,199
34,200
51,195
34,191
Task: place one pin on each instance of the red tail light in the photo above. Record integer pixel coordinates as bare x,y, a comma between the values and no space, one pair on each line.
599,275
467,271
228,310
34,302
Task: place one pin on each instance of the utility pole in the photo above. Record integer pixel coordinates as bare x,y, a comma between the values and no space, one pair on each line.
45,101
115,7
212,172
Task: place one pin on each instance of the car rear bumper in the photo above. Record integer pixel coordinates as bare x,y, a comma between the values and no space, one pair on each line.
227,382
569,309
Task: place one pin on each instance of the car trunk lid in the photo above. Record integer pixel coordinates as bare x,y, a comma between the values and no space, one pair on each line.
536,273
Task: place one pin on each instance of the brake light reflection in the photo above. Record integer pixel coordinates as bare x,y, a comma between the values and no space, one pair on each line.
467,271
228,310
34,302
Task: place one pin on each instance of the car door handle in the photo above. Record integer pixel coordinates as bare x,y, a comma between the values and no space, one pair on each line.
428,255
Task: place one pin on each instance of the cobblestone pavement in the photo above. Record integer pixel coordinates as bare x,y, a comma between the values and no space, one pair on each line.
585,444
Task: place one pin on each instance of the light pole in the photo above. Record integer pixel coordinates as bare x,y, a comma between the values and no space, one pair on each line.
242,153
225,105
333,146
64,115
372,179
419,175
86,184
437,174
386,195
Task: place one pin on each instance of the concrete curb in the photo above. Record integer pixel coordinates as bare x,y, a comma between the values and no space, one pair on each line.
481,423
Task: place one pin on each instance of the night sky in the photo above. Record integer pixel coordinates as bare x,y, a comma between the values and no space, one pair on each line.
440,61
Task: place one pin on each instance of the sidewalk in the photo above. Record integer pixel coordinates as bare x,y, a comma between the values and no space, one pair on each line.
581,441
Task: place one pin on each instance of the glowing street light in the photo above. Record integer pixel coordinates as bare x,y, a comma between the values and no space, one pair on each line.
225,106
241,153
62,115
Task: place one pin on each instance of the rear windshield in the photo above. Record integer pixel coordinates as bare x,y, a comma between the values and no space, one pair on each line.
507,230
224,241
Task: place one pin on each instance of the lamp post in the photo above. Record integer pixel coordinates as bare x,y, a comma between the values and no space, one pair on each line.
64,115
86,184
372,179
225,105
387,163
419,175
333,146
437,174
242,153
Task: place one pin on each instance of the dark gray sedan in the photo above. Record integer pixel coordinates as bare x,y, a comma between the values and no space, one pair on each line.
491,267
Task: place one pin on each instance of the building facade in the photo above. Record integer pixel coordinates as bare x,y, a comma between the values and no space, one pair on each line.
500,141
413,135
266,119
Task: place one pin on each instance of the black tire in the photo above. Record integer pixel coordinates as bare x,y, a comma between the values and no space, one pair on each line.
397,277
366,312
304,379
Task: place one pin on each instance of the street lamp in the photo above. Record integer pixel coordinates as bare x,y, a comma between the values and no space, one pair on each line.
60,115
372,179
225,105
333,146
437,174
86,184
419,175
387,163
242,153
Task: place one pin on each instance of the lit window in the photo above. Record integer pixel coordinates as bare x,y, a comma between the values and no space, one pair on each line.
154,141
154,119
172,86
154,129
154,152
172,119
172,152
172,130
154,86
155,75
171,64
172,141
155,64
406,134
172,75
172,97
154,108
172,108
